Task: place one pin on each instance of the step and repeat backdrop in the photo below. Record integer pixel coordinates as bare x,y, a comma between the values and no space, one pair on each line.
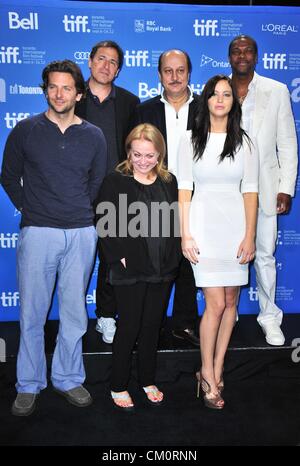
33,33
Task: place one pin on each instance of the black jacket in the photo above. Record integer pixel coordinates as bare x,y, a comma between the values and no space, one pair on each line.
125,104
135,250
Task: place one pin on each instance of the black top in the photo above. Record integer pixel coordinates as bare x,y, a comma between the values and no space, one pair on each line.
145,231
124,106
54,177
102,114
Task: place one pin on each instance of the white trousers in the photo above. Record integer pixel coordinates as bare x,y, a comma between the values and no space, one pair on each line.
265,267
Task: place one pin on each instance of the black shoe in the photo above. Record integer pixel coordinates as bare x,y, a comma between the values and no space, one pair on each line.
78,396
24,404
187,334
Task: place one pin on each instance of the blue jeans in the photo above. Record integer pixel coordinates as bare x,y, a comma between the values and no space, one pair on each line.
44,255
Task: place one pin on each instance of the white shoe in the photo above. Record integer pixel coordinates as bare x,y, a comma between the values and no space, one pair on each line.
106,326
274,335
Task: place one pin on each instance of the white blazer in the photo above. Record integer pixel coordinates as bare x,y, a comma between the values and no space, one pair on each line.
273,131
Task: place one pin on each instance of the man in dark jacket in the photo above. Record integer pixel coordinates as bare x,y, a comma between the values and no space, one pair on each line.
172,113
110,108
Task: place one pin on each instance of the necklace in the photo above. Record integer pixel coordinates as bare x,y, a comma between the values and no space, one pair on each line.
242,98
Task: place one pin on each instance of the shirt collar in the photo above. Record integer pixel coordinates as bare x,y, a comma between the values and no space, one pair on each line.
190,99
252,82
111,95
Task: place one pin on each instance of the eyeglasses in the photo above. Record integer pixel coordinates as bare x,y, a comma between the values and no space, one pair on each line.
110,61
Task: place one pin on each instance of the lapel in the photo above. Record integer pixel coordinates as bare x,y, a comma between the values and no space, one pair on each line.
262,97
160,112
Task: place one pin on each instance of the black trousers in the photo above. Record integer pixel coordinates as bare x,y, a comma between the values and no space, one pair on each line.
140,311
185,309
106,305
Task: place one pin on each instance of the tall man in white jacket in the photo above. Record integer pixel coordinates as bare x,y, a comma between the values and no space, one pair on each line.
268,119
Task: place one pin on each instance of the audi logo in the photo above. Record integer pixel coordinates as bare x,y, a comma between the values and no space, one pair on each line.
81,55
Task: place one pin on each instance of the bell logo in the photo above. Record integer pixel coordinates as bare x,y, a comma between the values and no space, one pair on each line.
76,23
274,61
145,92
9,55
206,28
25,23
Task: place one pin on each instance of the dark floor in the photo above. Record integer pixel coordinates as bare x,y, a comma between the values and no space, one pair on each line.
262,395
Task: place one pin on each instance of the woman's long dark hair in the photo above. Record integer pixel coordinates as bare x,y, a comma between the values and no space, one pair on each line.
201,126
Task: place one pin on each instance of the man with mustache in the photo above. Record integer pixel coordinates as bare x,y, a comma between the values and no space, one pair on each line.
268,119
172,113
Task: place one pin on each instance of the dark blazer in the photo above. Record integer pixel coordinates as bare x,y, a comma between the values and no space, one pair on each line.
153,111
125,104
135,250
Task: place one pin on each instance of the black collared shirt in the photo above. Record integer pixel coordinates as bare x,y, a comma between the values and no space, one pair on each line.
102,114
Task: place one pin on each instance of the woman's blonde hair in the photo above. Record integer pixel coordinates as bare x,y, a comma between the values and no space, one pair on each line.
149,133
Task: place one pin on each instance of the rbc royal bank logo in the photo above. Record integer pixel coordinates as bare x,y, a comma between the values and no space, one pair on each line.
9,55
14,21
139,25
11,119
274,61
136,58
8,240
77,23
206,28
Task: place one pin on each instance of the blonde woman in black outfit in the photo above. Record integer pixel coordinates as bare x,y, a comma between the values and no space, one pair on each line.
143,261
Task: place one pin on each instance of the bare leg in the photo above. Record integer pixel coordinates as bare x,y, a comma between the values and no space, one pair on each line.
225,330
209,330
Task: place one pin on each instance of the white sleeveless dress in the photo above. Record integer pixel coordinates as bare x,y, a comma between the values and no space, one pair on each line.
217,215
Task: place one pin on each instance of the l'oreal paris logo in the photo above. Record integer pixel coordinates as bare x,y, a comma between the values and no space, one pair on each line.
279,28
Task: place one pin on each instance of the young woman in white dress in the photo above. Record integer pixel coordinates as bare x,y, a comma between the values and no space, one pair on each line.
218,184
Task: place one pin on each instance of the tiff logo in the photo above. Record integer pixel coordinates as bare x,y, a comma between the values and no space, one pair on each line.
8,241
206,28
12,119
74,23
9,55
137,58
25,23
253,294
274,61
2,90
9,299
2,350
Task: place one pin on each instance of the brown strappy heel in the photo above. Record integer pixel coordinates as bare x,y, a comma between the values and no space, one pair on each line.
211,400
